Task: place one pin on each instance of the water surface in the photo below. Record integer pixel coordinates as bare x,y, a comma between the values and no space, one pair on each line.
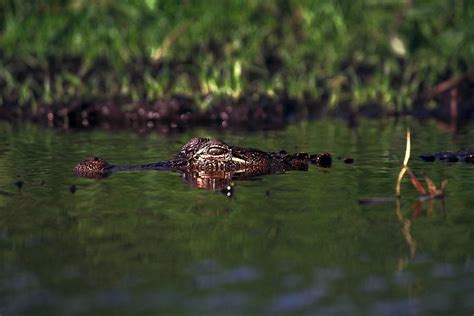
293,243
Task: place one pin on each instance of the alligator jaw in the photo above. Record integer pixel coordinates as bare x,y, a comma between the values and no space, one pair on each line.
239,161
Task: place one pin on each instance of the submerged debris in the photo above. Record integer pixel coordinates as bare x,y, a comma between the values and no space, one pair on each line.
19,184
377,200
73,188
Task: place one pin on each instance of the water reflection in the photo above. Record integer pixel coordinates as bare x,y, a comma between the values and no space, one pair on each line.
212,180
217,181
406,224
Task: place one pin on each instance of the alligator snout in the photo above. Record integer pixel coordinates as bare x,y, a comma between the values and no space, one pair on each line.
92,167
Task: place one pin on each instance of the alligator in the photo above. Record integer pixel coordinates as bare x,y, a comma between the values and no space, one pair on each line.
465,155
211,164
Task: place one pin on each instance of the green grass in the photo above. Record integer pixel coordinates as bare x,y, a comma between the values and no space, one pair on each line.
364,52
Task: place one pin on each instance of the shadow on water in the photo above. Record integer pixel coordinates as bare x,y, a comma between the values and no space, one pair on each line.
287,243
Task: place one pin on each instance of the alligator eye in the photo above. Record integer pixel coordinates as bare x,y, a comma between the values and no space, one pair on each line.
216,151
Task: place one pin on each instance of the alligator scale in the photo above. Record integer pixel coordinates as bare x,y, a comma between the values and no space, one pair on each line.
211,164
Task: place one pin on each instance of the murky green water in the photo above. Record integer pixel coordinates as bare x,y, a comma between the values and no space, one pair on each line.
294,243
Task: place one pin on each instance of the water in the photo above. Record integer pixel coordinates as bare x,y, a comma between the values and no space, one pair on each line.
295,243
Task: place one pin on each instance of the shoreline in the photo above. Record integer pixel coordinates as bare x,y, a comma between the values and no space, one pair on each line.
179,113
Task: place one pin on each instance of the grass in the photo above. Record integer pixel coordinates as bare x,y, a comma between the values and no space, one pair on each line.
365,52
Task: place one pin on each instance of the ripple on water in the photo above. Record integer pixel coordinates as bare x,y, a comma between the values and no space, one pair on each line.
403,278
437,301
219,302
298,300
469,301
112,297
329,274
205,266
291,281
422,258
342,308
374,284
443,270
397,307
27,301
231,276
469,266
18,281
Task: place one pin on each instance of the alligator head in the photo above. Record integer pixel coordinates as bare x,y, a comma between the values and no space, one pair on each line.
215,155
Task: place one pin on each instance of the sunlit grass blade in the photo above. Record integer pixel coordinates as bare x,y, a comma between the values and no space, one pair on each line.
407,148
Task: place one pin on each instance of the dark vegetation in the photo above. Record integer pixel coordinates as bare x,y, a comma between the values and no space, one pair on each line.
169,64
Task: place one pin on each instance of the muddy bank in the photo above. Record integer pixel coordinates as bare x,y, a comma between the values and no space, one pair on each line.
252,112
167,115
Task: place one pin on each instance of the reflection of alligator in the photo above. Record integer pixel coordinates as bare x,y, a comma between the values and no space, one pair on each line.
466,155
212,164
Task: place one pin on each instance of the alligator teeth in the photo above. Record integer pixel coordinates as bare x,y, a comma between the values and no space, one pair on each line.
238,160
